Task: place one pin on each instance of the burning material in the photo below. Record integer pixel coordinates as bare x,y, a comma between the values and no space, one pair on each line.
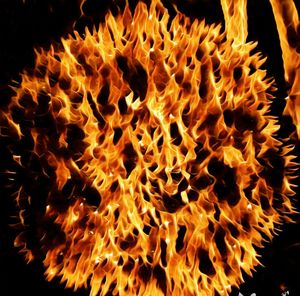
156,154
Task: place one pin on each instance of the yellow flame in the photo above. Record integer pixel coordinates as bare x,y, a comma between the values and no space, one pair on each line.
236,21
287,21
173,134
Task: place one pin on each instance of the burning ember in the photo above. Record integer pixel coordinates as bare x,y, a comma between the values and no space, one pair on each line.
158,162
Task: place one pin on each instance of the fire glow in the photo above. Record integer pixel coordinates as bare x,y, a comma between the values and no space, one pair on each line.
160,155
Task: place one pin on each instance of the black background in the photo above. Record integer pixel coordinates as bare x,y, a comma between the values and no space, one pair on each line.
36,23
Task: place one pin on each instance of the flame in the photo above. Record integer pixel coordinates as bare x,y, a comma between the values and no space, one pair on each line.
236,21
157,135
288,25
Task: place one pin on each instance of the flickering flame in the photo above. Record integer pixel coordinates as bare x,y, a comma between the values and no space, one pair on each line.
236,22
288,25
166,122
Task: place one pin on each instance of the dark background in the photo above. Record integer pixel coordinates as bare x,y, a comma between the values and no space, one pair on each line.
38,23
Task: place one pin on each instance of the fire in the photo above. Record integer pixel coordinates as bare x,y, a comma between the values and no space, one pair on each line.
160,159
288,24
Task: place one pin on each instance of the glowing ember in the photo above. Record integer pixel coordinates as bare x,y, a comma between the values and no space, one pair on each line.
158,155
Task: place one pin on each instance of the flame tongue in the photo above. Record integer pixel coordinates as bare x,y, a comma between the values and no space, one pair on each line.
236,22
287,21
164,125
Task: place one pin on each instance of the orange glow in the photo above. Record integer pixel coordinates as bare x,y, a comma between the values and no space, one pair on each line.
236,21
173,133
287,21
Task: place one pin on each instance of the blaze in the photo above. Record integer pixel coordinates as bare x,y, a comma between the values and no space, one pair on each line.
288,25
162,167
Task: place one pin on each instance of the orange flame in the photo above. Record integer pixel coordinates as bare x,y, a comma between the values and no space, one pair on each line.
167,120
236,22
288,25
